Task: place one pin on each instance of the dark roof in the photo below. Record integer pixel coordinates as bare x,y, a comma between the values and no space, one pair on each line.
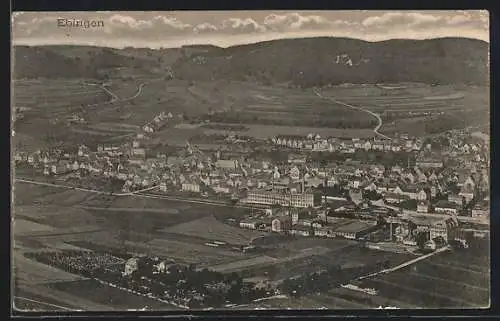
446,204
354,227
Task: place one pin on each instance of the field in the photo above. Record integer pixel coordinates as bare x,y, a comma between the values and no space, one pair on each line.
448,280
180,230
265,111
52,219
50,103
409,107
213,230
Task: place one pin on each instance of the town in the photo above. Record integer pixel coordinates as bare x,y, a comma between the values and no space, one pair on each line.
310,186
191,161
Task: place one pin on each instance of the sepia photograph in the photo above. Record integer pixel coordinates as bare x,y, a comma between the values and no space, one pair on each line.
250,160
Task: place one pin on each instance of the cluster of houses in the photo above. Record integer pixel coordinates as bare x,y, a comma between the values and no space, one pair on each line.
435,183
316,223
307,223
158,122
458,143
314,142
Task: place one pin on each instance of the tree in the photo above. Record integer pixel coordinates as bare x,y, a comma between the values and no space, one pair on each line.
421,238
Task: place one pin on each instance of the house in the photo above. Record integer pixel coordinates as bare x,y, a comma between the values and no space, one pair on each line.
396,169
433,227
467,182
354,229
131,266
248,224
456,198
421,195
466,195
370,187
423,207
323,231
432,177
481,209
410,177
191,187
395,198
396,190
356,195
58,169
426,162
302,230
227,163
446,207
421,177
281,224
294,173
162,267
83,151
410,191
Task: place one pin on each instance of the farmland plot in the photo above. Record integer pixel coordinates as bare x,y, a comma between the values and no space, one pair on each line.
211,229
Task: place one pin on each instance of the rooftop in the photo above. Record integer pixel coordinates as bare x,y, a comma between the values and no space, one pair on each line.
355,227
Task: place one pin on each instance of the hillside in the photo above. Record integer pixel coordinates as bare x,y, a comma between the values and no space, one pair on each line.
303,62
74,61
320,61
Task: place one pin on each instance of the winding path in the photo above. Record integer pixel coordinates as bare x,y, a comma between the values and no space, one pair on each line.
114,97
137,94
375,130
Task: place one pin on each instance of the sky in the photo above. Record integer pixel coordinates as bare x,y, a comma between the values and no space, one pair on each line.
169,29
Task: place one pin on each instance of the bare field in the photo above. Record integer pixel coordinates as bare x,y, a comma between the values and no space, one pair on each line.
211,229
24,227
185,252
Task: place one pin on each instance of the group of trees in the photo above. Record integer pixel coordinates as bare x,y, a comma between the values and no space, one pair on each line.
333,276
179,281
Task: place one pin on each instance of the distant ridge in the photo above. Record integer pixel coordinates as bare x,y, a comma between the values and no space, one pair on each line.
303,62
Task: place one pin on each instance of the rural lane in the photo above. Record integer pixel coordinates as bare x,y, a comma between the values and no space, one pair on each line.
375,130
137,94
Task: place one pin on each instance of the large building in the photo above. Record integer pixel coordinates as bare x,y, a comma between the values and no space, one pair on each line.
282,198
447,228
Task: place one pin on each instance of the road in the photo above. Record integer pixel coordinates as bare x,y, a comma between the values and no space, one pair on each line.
138,194
113,96
405,264
137,94
375,130
51,306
